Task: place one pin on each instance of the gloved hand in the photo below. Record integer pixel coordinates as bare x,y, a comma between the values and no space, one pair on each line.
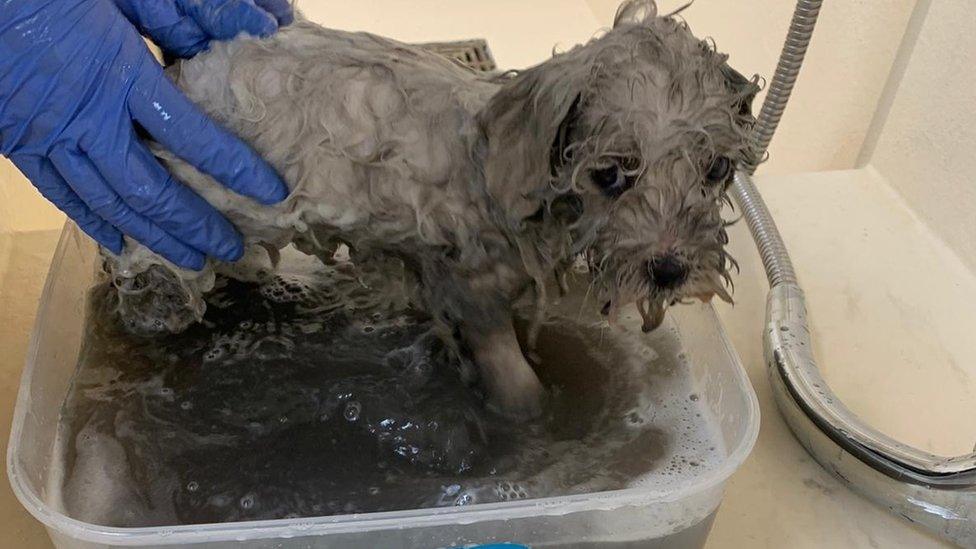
75,80
185,27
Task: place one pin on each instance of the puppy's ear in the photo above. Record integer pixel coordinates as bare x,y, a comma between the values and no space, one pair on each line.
635,11
529,126
743,89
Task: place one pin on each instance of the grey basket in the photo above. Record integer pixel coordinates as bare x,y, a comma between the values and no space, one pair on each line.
470,53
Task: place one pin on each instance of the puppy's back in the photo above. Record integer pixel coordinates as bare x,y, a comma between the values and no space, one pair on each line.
334,111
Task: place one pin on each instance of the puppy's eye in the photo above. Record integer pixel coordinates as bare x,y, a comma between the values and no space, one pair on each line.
612,180
719,172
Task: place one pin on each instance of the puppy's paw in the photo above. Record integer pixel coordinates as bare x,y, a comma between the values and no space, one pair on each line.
513,388
519,397
157,300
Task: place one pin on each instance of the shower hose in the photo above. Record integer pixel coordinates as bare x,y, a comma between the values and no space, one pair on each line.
934,491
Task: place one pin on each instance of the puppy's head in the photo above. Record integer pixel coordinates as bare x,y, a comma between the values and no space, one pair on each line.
627,145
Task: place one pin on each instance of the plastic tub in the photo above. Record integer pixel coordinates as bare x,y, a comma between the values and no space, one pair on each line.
633,517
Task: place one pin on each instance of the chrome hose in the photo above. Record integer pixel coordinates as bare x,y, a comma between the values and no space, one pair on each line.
787,70
772,249
934,491
775,257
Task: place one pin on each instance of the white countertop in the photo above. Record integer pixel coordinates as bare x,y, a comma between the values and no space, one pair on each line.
882,295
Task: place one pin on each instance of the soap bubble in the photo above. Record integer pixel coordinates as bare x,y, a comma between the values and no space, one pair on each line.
247,501
351,413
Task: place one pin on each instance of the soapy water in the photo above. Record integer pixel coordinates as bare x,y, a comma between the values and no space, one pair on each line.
273,408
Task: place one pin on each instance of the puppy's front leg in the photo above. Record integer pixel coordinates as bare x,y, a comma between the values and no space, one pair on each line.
513,388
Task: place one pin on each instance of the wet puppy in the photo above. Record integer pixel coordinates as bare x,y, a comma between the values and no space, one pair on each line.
481,187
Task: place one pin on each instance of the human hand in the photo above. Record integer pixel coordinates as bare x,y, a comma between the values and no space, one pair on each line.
185,27
76,80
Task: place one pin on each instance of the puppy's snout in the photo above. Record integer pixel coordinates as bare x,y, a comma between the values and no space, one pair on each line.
667,272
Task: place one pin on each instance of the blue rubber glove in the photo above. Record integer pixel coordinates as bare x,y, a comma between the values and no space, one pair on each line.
76,80
185,27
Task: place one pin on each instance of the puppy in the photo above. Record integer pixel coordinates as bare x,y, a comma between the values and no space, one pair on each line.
483,187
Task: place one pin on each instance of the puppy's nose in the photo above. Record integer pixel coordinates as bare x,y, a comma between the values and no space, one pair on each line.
667,272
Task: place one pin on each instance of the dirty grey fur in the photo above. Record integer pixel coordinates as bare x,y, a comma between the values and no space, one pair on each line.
483,187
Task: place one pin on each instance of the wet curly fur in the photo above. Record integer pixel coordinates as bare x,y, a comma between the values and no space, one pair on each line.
482,186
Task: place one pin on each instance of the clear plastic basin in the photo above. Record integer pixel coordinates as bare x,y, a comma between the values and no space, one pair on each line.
633,517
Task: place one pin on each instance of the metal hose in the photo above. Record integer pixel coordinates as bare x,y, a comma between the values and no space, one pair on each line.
934,491
787,70
772,250
775,257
